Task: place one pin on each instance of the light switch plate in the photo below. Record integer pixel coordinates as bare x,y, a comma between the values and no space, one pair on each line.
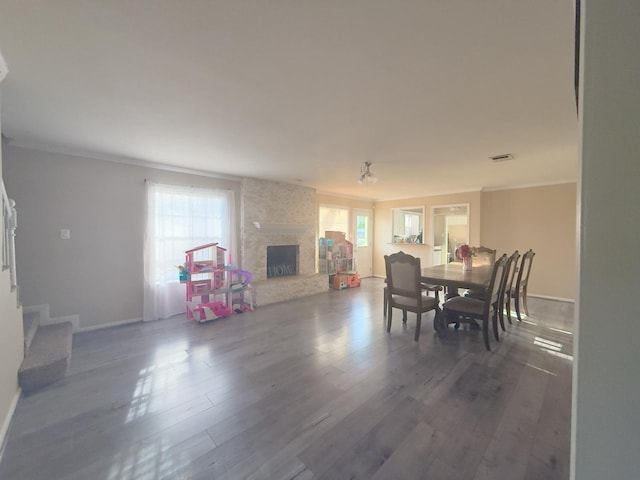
65,234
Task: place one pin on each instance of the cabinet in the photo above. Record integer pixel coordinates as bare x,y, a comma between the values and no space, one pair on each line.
214,289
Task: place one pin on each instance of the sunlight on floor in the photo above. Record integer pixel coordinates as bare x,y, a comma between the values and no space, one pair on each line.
541,369
155,379
553,348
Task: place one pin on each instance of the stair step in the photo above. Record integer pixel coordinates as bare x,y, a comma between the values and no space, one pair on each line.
30,323
48,358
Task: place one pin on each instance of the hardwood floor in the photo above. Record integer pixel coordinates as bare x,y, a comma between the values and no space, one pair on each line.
313,388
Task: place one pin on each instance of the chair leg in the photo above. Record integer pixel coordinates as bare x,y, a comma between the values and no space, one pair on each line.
517,301
485,332
384,306
508,306
437,319
494,321
500,311
418,326
404,316
389,315
524,301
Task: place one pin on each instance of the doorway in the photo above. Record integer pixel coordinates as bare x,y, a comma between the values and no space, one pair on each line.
450,227
362,248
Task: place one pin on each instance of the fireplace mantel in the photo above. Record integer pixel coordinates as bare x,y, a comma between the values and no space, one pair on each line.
282,228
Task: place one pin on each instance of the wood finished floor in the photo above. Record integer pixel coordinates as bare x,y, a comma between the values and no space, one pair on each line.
313,388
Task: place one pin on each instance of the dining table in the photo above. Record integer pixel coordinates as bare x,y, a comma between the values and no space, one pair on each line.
452,276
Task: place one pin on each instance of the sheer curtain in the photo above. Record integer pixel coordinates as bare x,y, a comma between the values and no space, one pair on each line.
333,218
178,219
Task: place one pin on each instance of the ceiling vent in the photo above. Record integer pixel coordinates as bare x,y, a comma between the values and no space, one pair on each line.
502,158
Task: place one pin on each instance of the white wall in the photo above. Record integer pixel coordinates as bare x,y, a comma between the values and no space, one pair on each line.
606,389
11,338
98,273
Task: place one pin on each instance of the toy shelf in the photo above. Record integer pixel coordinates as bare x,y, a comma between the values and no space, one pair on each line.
336,260
215,289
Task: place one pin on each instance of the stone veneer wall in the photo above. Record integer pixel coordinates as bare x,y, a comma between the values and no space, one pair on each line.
270,202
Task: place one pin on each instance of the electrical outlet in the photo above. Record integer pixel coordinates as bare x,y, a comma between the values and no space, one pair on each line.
65,234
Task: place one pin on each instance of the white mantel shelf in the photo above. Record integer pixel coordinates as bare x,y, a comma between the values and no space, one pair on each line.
282,228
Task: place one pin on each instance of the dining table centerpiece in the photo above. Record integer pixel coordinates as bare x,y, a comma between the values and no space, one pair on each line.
464,253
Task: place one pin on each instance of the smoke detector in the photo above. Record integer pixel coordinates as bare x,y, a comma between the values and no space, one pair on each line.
505,157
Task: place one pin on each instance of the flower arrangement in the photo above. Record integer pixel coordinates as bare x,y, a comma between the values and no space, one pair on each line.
464,251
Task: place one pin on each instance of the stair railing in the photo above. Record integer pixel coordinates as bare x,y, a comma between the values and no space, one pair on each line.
10,222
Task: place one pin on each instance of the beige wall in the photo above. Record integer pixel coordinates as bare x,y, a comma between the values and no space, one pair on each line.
382,226
98,273
541,218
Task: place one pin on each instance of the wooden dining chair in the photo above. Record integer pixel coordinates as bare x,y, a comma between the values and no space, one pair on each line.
405,291
507,279
483,256
511,275
520,290
436,289
470,309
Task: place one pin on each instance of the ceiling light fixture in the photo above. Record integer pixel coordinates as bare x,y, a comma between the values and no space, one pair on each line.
366,177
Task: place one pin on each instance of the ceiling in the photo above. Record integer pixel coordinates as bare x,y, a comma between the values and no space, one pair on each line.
301,91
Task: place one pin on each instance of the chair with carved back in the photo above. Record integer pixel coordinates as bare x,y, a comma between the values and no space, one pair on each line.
404,290
426,287
483,256
480,256
511,275
522,282
507,280
470,309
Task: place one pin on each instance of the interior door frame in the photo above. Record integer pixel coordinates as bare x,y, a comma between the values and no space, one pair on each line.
355,212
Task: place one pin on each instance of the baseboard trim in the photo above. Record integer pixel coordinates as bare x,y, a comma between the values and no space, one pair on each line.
7,421
119,323
548,297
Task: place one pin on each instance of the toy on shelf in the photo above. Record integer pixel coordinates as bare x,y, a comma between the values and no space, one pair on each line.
214,289
203,312
336,260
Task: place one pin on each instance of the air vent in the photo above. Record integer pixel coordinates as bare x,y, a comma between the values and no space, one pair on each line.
502,158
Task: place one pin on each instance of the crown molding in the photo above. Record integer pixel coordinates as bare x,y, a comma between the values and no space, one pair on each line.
107,157
530,185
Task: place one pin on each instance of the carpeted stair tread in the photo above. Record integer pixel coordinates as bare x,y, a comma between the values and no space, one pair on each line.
48,358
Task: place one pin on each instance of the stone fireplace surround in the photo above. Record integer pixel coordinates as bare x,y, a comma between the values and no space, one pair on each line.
287,215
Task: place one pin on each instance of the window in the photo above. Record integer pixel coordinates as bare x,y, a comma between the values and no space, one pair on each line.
334,219
180,218
362,230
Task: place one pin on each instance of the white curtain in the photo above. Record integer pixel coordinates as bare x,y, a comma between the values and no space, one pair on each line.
178,219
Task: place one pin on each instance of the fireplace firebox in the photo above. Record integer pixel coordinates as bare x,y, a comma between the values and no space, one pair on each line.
282,260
